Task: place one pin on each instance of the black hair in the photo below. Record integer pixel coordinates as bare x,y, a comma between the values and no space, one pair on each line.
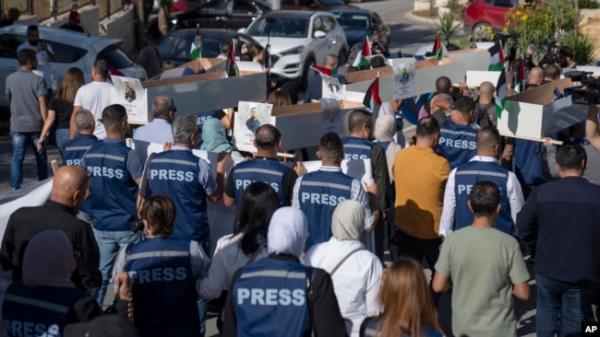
267,137
427,127
465,105
443,85
571,157
358,119
32,28
26,56
258,204
159,213
331,147
113,115
101,68
484,198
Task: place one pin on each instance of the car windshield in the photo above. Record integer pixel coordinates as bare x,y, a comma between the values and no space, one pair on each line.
353,21
281,27
178,47
331,3
116,58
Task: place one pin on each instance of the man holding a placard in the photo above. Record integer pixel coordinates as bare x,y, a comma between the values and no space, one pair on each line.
457,133
263,167
318,193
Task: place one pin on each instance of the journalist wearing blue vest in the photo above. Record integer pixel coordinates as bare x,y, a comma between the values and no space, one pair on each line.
457,133
318,193
188,180
265,168
483,167
46,300
75,149
278,296
163,272
115,171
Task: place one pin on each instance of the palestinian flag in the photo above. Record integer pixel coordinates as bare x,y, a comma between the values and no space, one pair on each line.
501,93
325,71
362,59
439,50
497,57
411,107
372,99
196,49
232,68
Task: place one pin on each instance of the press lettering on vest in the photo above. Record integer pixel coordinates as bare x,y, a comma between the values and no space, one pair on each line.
321,199
241,184
73,162
31,329
158,275
106,172
458,144
271,297
355,156
174,175
462,189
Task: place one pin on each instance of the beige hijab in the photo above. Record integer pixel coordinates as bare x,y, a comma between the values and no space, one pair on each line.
348,221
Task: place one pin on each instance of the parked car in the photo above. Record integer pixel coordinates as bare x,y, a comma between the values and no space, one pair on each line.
72,49
324,5
226,14
176,46
298,40
360,23
179,6
482,14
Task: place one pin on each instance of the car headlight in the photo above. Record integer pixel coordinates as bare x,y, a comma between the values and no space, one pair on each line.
293,51
174,21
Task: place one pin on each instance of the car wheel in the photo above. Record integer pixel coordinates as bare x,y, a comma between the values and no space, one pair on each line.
306,72
342,56
479,29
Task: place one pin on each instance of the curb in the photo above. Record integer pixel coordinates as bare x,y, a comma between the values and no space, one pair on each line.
430,21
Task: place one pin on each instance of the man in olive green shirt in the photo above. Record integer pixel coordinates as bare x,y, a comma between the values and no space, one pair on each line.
485,268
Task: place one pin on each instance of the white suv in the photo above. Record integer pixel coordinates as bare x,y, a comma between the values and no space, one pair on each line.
299,39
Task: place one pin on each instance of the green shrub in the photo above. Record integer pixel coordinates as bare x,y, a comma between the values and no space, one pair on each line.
582,47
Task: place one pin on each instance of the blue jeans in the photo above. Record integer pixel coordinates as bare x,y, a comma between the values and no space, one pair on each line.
62,136
20,140
561,307
109,244
202,303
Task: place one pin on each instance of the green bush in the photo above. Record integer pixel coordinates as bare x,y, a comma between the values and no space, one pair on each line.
582,47
446,27
591,4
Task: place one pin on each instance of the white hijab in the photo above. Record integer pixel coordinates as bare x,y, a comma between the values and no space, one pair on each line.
288,232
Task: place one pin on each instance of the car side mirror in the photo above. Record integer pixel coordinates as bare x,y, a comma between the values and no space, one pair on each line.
319,34
242,30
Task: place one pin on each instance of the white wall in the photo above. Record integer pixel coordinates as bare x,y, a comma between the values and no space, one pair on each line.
120,25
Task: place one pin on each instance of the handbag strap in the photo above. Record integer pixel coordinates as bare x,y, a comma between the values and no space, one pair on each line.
344,260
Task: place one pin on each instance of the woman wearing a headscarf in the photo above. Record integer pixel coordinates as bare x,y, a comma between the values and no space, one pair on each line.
278,296
356,272
214,137
46,300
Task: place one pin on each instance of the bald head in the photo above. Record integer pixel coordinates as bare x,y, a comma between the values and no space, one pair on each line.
267,138
486,88
360,123
536,76
163,107
488,142
70,186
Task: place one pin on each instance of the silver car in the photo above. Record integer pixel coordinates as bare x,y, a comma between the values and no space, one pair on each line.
71,49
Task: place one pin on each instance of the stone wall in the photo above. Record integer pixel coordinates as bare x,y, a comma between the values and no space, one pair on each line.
590,26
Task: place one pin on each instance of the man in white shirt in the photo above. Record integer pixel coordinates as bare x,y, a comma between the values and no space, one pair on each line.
44,54
159,130
94,97
483,167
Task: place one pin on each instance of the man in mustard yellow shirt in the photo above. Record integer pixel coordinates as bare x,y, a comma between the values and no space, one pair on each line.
420,176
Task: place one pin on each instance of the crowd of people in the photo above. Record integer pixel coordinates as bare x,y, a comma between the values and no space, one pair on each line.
307,254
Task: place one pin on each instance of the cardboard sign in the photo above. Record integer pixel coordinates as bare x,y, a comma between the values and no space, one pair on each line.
405,84
476,77
130,93
249,117
537,113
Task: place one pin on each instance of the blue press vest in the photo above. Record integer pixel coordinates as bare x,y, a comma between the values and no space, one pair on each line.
75,149
371,327
112,203
271,299
319,194
457,142
163,287
467,175
529,162
175,174
40,311
357,148
267,170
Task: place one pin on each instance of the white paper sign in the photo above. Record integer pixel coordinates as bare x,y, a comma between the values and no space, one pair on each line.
475,77
332,88
130,93
249,117
404,79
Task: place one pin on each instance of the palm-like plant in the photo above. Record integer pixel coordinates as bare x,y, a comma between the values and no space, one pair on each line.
447,29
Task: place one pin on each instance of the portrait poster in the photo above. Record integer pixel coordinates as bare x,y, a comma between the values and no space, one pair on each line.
331,117
249,117
332,88
130,93
405,85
